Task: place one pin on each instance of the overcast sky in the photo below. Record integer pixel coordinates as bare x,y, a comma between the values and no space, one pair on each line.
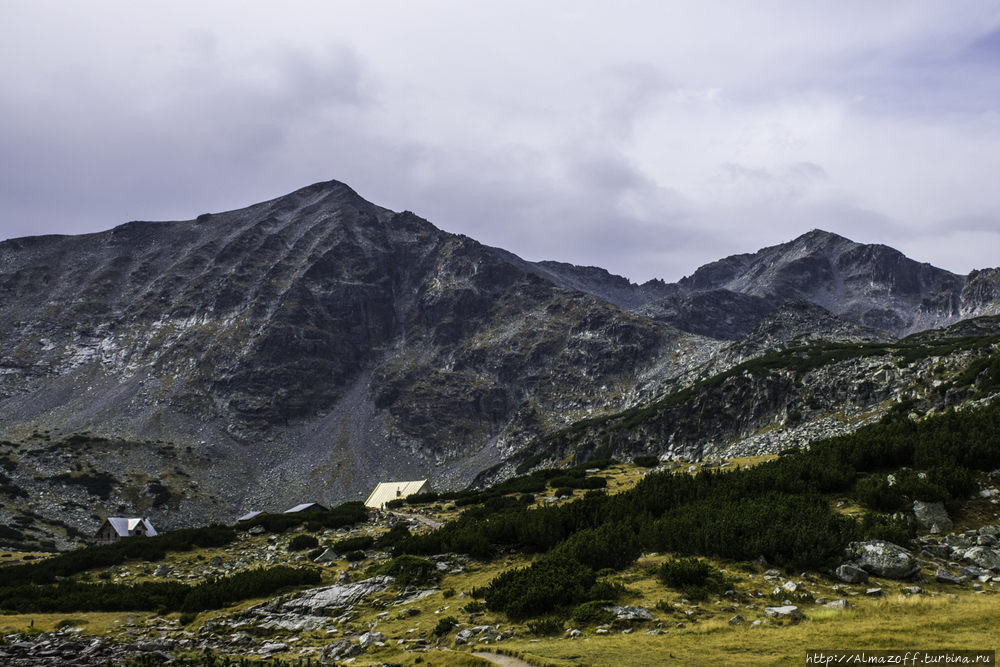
645,137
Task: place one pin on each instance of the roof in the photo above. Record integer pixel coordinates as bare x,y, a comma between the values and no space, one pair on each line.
126,527
249,515
306,507
387,491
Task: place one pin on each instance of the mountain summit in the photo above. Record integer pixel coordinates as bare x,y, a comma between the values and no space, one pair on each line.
871,285
315,343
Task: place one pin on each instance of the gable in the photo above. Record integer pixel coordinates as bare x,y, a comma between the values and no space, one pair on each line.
387,491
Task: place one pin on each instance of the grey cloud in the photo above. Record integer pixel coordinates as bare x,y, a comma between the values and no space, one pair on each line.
162,150
623,149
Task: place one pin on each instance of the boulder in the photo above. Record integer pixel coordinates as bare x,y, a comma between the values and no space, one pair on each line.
852,574
321,601
839,604
789,611
883,559
327,556
973,572
938,550
342,650
464,636
369,638
737,620
273,647
630,613
983,557
931,516
943,576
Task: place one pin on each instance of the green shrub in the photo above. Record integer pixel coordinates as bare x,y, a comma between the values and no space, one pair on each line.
395,535
410,571
353,544
593,613
444,626
550,583
608,590
695,578
187,618
570,482
341,516
646,461
421,498
546,627
876,492
354,556
71,596
303,542
883,527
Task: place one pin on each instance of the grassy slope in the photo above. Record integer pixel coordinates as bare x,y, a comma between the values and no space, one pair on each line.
953,617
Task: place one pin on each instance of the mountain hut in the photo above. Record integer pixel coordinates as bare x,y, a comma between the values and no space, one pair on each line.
306,507
117,528
387,491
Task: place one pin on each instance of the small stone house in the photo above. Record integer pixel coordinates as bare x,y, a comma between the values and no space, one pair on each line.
306,507
387,491
117,528
248,516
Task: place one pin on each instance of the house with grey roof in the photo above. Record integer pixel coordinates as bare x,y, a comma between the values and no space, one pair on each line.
306,507
117,528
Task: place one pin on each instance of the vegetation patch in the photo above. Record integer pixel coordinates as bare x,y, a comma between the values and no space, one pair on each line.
409,571
100,484
695,578
341,516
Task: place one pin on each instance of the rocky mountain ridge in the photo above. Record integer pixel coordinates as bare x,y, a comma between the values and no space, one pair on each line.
305,348
309,346
872,285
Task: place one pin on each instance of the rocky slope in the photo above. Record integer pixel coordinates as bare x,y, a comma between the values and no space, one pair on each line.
309,346
803,374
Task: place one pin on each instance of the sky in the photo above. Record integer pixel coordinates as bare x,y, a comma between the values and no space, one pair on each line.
648,138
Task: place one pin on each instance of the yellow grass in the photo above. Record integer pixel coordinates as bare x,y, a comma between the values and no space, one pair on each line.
913,623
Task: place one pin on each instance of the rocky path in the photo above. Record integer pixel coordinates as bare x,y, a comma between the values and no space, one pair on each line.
503,660
431,523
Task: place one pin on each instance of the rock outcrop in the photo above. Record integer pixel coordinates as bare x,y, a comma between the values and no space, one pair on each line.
883,559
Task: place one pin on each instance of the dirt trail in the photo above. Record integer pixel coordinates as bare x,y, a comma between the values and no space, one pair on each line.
503,660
